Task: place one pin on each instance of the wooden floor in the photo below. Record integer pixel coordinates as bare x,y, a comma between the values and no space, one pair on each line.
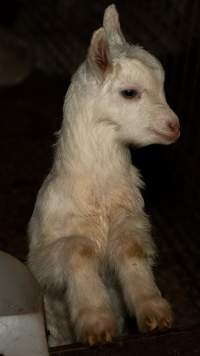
174,343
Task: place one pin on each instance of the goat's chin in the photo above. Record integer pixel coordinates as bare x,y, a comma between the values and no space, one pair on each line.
151,139
162,138
166,140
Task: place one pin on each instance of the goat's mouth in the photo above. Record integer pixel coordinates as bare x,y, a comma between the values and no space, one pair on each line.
167,136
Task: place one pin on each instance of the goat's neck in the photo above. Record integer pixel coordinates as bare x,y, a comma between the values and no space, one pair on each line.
87,143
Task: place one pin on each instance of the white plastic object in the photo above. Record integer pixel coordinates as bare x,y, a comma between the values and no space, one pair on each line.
22,331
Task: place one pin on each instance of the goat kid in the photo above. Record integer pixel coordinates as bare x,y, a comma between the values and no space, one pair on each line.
90,241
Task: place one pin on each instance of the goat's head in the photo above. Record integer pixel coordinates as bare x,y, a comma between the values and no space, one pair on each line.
129,87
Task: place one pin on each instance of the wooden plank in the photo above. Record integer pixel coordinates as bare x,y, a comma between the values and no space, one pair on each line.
171,343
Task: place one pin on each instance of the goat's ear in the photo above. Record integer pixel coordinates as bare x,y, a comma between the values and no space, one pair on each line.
112,27
99,59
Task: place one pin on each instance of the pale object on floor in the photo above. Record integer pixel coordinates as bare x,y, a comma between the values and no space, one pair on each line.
22,331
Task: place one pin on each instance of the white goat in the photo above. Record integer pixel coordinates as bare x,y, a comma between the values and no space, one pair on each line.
90,243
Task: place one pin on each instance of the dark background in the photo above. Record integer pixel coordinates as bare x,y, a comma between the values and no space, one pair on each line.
41,45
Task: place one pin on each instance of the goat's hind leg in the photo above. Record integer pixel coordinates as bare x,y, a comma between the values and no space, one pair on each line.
129,256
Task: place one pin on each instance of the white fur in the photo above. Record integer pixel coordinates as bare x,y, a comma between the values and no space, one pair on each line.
89,235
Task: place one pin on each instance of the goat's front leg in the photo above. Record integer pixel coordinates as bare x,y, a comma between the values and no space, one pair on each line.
131,254
89,303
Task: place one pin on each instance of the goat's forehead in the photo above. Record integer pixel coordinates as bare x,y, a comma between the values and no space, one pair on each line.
134,70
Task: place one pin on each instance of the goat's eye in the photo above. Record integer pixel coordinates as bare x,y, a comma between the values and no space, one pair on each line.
129,93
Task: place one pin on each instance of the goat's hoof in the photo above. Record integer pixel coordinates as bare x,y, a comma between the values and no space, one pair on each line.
96,328
154,313
101,338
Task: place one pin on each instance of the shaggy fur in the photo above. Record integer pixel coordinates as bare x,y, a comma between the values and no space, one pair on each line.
90,240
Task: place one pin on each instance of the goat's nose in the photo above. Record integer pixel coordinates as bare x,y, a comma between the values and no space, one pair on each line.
174,127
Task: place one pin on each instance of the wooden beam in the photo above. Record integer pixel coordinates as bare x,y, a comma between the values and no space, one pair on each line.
171,343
